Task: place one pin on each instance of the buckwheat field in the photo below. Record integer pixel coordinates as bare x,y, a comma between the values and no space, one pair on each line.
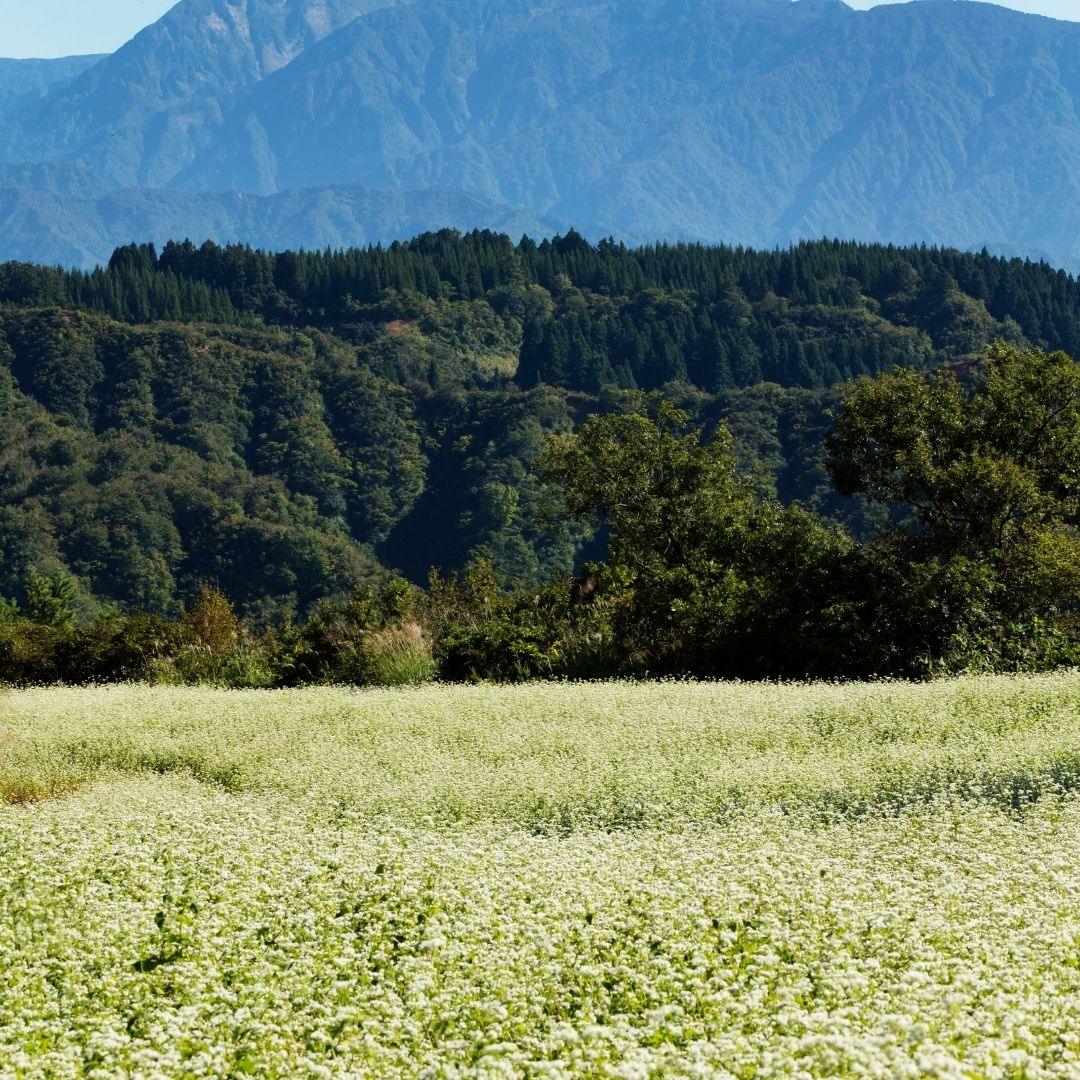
605,880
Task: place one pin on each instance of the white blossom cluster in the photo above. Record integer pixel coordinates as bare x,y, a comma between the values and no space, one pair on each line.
549,881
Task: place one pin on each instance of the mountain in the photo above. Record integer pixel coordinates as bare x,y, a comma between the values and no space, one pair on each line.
22,82
139,116
753,121
48,223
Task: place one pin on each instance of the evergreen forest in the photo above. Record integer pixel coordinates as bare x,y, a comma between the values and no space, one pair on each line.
280,432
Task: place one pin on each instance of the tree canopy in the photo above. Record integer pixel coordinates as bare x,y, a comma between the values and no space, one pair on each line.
286,426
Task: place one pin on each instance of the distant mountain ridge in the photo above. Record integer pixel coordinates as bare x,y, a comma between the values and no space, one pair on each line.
24,82
54,228
138,116
752,121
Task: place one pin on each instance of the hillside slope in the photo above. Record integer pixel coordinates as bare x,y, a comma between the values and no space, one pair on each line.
23,82
285,426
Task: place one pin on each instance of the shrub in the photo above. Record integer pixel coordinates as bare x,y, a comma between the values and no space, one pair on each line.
396,656
214,649
212,623
501,649
29,653
116,648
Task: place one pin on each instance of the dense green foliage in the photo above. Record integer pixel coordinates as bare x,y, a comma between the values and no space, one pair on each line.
143,461
585,316
975,567
702,574
985,465
289,428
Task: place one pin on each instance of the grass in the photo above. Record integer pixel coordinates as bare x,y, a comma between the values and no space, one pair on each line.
552,880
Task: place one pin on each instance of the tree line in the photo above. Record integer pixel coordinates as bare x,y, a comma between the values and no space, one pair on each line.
286,428
584,316
974,563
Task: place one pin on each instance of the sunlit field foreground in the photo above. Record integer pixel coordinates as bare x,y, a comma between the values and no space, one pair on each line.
608,880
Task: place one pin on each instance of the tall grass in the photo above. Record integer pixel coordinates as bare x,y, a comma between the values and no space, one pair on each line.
396,656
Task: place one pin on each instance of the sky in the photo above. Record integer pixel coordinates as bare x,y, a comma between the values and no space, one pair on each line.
66,27
70,27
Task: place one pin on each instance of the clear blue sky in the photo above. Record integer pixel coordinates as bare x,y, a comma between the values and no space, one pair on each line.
65,27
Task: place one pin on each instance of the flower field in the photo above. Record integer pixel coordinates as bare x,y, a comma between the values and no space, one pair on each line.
551,880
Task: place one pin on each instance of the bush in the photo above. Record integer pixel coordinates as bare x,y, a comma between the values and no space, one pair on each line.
333,645
396,656
501,649
247,667
115,648
212,648
29,653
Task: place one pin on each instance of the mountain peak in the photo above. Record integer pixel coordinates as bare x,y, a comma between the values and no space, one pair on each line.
143,112
747,120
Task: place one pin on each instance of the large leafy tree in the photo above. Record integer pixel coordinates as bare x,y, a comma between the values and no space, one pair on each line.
702,574
648,477
981,467
983,459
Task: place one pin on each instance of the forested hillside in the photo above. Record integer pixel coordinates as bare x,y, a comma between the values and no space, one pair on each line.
287,426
